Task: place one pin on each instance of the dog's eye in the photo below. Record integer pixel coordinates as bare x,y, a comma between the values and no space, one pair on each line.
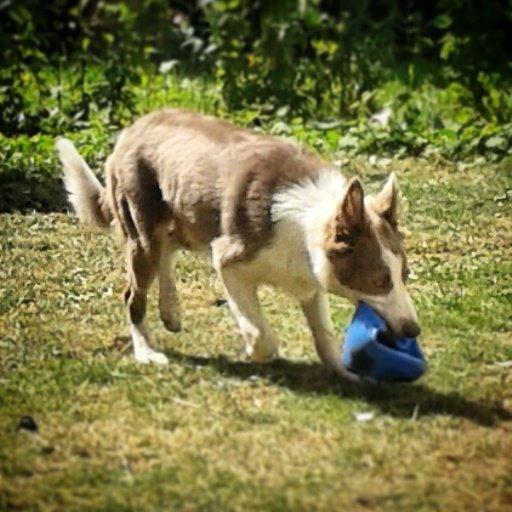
341,238
385,283
340,251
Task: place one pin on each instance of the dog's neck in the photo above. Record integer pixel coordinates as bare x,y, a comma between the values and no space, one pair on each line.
310,202
307,208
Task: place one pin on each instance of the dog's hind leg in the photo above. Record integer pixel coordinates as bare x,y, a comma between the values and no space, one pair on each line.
168,297
142,266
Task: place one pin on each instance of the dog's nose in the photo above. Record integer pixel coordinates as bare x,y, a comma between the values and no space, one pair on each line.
410,329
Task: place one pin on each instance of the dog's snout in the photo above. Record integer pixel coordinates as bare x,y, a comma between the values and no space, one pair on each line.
410,329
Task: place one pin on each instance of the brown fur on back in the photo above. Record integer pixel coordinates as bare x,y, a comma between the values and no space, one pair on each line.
200,178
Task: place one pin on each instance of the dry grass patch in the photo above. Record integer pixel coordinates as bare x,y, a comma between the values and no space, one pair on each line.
212,433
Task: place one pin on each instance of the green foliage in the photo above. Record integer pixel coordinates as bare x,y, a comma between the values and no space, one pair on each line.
424,121
91,116
53,99
326,72
325,58
430,120
28,179
309,58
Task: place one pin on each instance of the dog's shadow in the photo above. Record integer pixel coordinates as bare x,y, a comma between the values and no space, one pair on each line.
398,400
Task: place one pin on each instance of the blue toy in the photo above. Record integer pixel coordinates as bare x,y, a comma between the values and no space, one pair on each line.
370,352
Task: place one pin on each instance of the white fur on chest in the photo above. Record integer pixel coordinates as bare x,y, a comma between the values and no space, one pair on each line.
295,260
285,262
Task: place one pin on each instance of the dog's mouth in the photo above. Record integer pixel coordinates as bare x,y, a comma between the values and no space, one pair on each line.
386,338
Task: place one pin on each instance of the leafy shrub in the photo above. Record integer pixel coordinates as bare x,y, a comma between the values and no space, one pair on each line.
30,172
30,175
324,71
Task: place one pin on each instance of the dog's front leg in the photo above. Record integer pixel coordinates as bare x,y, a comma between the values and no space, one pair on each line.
316,311
261,343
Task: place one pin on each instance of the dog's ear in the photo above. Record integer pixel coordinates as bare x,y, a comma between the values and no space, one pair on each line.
351,210
385,203
350,218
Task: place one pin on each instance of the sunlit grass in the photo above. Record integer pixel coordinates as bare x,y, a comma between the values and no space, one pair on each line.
212,433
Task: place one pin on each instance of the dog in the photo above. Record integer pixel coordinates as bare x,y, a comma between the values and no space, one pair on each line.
267,210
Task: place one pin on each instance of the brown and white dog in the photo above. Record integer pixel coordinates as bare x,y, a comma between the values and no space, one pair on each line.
266,209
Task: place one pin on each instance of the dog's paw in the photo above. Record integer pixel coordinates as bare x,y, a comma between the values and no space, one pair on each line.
148,356
260,355
172,324
353,377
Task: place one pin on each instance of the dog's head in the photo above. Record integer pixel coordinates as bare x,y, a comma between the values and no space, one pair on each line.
366,256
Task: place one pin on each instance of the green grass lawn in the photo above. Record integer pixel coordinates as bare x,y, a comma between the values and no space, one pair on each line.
209,432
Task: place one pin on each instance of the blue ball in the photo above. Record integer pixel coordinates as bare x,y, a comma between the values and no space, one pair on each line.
369,352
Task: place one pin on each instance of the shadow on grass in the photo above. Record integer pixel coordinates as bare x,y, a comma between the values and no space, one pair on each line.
398,400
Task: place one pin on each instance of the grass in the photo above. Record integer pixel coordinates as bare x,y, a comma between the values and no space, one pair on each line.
212,433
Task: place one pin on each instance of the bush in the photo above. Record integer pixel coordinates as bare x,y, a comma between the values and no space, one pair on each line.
30,172
357,77
316,58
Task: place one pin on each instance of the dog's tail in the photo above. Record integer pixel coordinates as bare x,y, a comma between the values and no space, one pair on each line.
85,192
